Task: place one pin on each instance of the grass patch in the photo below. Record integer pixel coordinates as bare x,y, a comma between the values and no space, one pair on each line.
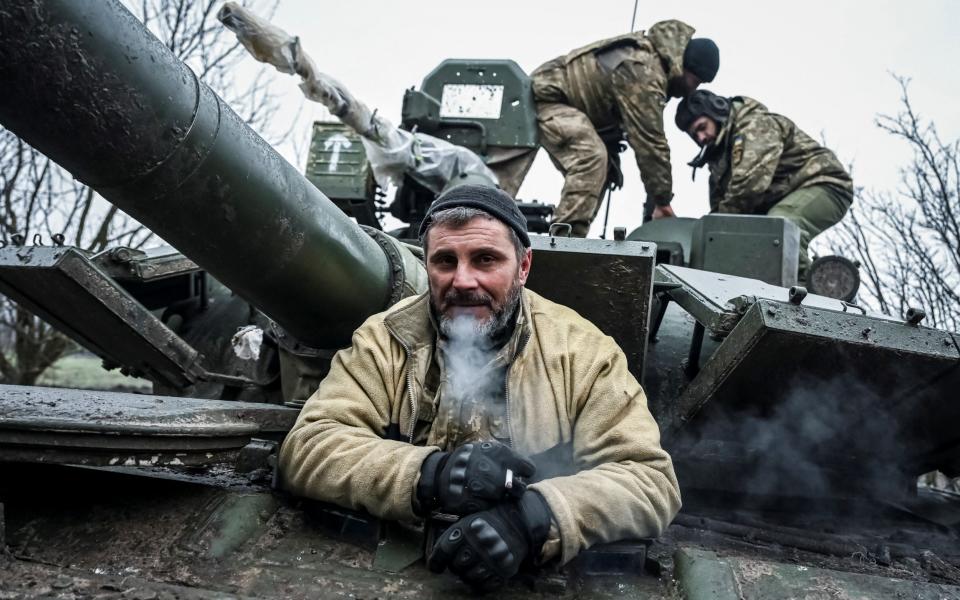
85,371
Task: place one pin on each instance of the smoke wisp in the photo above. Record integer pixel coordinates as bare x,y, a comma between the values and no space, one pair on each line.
468,353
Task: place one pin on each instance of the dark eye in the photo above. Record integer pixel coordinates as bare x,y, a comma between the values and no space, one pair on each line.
443,260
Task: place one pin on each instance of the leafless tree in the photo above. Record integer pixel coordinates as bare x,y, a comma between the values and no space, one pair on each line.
40,199
908,241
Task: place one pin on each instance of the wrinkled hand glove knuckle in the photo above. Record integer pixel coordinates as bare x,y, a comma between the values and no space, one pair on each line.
484,550
475,477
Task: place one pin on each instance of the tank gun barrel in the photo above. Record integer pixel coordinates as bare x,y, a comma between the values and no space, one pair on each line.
89,86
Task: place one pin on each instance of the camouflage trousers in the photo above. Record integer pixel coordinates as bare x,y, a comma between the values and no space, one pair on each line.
813,209
572,142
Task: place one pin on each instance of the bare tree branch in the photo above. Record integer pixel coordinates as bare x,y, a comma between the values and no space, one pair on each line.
908,243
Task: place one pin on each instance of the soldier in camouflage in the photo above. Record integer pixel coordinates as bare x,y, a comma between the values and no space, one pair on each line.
621,83
762,163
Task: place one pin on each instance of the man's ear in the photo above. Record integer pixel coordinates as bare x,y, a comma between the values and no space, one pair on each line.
525,263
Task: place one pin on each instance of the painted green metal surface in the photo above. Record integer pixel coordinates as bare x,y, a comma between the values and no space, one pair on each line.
678,231
607,282
228,539
233,521
110,429
751,246
758,247
822,402
337,163
65,288
703,575
718,300
475,103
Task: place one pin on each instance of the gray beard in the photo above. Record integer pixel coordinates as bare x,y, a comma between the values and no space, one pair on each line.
492,331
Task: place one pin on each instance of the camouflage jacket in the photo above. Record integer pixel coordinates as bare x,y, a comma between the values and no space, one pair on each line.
759,157
623,81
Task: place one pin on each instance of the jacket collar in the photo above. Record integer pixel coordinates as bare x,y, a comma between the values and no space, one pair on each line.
413,326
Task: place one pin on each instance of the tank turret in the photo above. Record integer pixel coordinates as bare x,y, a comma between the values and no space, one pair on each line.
798,424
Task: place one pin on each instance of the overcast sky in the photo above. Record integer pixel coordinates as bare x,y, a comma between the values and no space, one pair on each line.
825,65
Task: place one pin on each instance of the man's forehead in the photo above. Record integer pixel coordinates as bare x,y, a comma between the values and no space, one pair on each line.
480,231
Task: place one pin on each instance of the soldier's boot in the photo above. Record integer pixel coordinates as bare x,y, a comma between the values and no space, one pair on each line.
570,139
813,209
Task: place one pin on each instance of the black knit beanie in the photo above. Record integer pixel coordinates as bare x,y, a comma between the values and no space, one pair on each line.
702,58
493,201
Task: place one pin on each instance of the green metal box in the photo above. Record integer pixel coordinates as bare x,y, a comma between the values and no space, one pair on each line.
480,104
608,282
754,246
337,165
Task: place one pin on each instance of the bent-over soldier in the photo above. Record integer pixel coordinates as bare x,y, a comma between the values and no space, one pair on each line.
762,163
621,83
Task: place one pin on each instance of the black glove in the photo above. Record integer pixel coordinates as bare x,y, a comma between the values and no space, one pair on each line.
473,477
487,548
614,172
648,207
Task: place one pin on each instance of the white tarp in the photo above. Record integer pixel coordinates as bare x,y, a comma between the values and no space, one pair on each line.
392,152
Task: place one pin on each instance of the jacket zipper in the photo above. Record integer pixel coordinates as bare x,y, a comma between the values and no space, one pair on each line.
506,395
413,400
413,409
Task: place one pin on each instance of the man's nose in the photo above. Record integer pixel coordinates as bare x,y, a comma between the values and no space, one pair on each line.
701,138
464,278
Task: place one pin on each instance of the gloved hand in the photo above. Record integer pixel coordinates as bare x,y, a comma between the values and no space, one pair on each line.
472,478
663,212
652,204
487,548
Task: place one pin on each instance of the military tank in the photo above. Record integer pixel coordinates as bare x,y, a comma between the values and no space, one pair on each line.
798,423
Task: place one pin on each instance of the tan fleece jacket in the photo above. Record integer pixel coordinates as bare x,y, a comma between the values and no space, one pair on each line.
569,383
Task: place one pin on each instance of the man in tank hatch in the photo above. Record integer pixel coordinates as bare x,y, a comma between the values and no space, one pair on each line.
441,399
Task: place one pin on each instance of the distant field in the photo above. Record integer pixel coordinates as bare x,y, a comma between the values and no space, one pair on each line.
84,371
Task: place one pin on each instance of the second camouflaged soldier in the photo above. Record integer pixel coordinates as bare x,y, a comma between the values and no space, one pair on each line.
762,163
622,82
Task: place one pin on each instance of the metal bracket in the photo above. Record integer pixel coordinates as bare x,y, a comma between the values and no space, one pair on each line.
258,454
394,258
664,300
696,345
290,344
626,557
796,294
915,315
557,228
